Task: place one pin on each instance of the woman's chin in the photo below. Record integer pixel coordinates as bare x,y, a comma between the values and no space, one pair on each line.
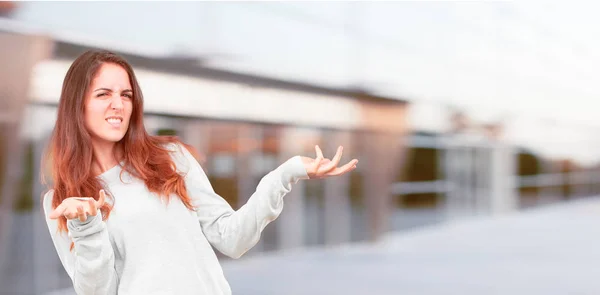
110,138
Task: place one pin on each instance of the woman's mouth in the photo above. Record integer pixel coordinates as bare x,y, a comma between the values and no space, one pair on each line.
114,121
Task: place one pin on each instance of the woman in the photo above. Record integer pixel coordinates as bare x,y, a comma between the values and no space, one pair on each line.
131,213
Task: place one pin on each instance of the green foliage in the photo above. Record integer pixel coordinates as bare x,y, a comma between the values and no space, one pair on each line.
166,132
227,188
528,165
356,189
422,165
24,201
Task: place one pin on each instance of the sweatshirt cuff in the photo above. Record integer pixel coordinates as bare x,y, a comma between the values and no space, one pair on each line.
80,229
293,170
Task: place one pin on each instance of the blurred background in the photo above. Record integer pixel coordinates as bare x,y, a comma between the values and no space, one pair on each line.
475,124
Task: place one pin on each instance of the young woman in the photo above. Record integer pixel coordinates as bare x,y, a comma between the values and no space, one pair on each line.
131,213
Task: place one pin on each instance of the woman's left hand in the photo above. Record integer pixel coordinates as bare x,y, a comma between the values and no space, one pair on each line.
322,167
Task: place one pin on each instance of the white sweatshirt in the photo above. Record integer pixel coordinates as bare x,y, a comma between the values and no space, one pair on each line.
150,247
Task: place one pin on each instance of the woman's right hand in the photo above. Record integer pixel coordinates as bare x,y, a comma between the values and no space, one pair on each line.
80,208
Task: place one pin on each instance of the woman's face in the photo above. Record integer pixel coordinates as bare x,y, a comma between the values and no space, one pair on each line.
108,105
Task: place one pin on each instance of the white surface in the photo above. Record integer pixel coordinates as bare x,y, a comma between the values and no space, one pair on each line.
547,251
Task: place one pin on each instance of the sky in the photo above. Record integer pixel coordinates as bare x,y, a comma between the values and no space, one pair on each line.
532,64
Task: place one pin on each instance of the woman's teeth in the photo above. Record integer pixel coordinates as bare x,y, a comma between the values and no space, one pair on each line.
113,121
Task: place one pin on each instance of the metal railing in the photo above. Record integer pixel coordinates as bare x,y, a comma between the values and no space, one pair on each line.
538,181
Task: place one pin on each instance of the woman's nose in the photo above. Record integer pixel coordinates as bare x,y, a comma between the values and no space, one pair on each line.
117,102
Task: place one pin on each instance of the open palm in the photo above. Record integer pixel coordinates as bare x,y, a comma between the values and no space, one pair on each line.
321,167
76,207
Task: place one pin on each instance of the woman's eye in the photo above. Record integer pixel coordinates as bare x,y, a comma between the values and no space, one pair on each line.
128,95
101,94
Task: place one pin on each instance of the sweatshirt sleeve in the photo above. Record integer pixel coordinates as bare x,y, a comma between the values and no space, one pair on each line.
232,232
91,262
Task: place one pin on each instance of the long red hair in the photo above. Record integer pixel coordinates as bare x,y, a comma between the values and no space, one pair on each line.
69,156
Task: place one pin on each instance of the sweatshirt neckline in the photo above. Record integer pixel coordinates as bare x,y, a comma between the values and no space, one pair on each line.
112,173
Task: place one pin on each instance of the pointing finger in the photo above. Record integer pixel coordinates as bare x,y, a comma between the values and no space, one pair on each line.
57,212
344,169
69,214
101,199
81,213
93,209
319,152
318,162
